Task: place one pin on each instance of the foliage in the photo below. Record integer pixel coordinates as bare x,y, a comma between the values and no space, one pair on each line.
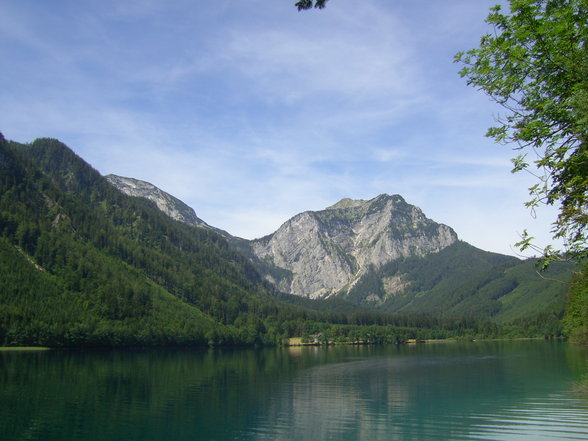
463,281
535,65
83,264
309,4
576,318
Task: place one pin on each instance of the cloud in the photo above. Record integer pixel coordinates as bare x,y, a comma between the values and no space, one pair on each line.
279,61
251,112
380,154
335,55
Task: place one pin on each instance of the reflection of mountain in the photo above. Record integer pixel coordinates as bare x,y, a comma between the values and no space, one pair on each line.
422,392
149,395
338,401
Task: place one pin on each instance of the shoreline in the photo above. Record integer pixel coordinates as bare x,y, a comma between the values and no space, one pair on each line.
297,341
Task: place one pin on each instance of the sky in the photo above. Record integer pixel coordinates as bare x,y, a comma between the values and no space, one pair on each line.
252,112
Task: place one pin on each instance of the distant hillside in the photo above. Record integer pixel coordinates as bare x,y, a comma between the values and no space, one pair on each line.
463,281
82,263
167,203
85,262
385,255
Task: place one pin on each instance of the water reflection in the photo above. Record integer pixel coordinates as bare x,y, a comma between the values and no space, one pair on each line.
482,391
429,393
554,417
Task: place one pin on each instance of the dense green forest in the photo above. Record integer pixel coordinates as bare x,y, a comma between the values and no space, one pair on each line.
463,281
576,318
83,264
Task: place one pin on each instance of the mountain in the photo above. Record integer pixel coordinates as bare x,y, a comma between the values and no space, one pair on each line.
84,263
328,251
81,263
165,202
463,281
385,255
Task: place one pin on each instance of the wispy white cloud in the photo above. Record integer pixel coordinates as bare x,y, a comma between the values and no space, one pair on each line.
252,112
380,154
350,66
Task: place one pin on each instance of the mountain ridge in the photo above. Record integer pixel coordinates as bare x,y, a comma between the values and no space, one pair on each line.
316,254
321,254
83,264
167,203
328,249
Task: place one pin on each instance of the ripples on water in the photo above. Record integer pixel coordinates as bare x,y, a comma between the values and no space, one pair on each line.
444,392
556,417
427,396
545,422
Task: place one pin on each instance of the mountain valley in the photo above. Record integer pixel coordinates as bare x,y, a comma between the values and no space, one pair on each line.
386,255
93,260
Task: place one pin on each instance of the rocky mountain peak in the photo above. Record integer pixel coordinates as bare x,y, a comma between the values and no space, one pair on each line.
346,203
322,253
329,250
170,205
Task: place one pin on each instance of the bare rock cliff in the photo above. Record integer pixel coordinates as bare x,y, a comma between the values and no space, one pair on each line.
317,254
328,251
167,203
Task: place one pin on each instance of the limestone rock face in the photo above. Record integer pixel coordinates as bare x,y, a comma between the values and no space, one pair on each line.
167,203
328,251
318,254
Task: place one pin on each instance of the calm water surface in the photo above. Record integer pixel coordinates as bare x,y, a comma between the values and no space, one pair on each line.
482,391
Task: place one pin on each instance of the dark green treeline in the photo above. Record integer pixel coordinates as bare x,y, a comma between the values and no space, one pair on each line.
83,264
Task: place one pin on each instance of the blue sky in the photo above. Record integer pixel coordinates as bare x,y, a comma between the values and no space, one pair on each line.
251,112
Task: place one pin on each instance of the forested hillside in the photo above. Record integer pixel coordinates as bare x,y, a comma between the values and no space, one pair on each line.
576,319
457,281
83,264
463,281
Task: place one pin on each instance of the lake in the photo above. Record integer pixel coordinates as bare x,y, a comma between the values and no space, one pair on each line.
520,390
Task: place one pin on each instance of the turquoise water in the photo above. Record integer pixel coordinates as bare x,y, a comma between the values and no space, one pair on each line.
481,391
